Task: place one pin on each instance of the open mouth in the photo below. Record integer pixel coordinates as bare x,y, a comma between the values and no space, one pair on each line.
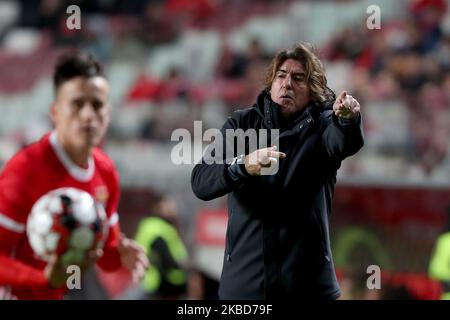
285,96
88,130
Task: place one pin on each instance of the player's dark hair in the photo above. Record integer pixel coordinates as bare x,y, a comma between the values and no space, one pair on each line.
76,64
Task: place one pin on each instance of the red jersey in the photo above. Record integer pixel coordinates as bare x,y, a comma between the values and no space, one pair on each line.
35,170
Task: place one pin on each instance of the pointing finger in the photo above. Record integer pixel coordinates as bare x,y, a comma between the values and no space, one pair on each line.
276,154
342,96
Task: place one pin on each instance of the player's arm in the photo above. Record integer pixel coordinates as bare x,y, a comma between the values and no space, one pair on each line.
12,271
217,174
14,195
120,251
17,273
343,135
110,260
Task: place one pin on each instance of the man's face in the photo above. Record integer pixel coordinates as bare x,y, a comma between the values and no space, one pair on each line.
81,112
168,209
289,87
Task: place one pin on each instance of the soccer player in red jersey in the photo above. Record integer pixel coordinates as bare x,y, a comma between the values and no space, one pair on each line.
65,157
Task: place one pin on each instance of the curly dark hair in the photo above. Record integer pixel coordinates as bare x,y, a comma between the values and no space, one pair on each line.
305,53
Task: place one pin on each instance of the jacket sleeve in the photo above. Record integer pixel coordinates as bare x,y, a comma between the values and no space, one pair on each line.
210,178
342,137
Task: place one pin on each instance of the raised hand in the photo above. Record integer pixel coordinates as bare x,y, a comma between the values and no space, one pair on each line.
346,106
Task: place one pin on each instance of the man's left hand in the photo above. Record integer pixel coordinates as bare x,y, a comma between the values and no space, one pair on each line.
133,257
346,106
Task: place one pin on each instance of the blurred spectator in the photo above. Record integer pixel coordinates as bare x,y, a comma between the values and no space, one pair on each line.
348,45
50,13
428,15
166,278
442,54
407,67
52,17
157,25
173,86
439,267
191,12
234,65
201,286
430,129
354,286
96,37
446,90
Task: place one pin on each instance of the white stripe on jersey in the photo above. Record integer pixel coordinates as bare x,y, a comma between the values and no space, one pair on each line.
113,219
8,223
5,294
78,173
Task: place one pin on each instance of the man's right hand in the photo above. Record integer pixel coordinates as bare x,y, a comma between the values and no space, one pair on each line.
56,269
261,158
56,272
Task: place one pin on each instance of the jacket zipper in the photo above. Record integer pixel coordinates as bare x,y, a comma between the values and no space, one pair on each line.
229,237
298,127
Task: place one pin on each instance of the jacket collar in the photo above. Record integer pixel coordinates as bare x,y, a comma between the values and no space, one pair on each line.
269,110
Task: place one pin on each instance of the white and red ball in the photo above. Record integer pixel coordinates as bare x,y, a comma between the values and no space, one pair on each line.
66,221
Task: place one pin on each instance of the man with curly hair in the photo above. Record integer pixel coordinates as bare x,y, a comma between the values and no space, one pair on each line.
278,243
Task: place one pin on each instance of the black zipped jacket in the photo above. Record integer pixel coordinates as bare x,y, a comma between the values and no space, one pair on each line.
277,242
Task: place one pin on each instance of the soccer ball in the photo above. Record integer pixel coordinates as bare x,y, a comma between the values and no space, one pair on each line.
68,222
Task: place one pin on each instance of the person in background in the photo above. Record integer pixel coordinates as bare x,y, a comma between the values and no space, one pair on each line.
68,156
278,238
439,267
160,237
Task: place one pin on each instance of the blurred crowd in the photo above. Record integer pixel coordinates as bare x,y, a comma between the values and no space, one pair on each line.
175,61
399,73
405,65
